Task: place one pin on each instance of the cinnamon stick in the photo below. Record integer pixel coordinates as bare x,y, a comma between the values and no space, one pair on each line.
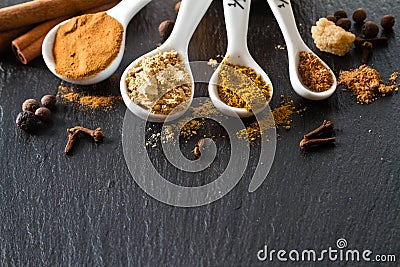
33,12
29,46
8,36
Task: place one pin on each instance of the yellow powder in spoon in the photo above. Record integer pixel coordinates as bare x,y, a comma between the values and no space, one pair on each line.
87,45
242,87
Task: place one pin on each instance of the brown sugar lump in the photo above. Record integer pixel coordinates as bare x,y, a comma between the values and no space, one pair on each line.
331,38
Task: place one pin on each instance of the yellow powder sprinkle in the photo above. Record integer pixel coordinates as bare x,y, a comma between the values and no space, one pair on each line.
282,117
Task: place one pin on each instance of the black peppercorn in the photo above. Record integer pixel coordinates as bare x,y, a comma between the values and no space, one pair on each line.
30,105
370,29
387,22
43,114
339,14
359,15
331,18
344,23
166,27
27,121
49,101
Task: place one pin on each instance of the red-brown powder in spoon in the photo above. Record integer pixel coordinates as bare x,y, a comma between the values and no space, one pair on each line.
86,45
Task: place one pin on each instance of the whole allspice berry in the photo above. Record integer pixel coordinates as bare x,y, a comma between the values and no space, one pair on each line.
177,6
27,121
370,29
43,114
387,22
339,14
49,101
30,105
331,18
359,15
166,27
344,23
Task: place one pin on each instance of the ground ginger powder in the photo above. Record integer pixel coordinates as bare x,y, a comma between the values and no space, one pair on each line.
242,87
160,83
87,45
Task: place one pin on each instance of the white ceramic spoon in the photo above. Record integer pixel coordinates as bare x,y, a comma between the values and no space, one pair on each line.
237,21
123,12
284,15
190,14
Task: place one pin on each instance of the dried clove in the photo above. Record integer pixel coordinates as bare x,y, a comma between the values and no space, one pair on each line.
310,139
198,148
374,41
73,134
97,134
367,50
308,143
327,126
367,45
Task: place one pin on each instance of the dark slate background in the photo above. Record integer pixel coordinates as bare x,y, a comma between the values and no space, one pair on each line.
87,210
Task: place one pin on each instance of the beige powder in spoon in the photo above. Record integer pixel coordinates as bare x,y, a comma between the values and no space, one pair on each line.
87,45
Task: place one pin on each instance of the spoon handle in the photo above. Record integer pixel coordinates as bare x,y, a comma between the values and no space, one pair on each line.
190,14
126,9
236,14
284,15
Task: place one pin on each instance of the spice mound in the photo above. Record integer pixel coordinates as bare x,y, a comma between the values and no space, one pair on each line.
315,76
366,83
160,83
86,45
242,87
331,38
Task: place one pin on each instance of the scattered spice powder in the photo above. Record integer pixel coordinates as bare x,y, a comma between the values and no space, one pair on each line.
366,83
315,76
242,87
282,117
86,45
90,102
160,83
191,128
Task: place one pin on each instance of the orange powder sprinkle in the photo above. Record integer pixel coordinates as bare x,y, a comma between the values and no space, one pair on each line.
90,102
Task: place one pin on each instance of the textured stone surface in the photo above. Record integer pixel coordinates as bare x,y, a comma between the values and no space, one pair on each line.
87,210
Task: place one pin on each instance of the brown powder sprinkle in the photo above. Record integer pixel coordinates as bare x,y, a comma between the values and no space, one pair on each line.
315,76
85,101
366,83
